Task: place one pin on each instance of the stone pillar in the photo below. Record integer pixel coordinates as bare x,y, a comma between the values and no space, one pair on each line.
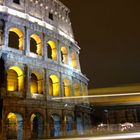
47,85
27,84
27,126
44,47
1,33
63,124
69,57
47,124
61,86
3,75
27,36
58,47
78,62
6,34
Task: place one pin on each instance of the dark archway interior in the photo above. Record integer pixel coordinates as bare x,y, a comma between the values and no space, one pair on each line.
16,1
13,40
38,127
49,50
33,46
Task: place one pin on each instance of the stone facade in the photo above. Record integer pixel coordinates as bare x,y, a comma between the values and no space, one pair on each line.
30,80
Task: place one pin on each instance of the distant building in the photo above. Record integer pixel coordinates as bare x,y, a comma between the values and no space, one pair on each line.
115,105
39,61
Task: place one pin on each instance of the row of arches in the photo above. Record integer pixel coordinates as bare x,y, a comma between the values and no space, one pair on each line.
15,82
16,41
15,125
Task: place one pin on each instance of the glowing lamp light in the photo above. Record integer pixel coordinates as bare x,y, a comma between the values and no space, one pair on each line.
46,7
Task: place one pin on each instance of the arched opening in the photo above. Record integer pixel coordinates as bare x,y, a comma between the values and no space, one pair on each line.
86,122
84,90
79,124
68,124
76,89
55,126
37,126
15,39
14,126
67,89
35,44
54,85
74,60
15,79
36,84
52,51
16,1
64,55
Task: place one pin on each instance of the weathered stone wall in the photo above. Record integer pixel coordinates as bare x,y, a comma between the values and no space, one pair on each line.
23,102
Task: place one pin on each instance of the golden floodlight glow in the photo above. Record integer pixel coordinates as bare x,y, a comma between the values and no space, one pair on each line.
32,117
54,85
67,91
76,89
38,42
20,35
74,60
84,89
53,49
36,83
15,79
64,53
12,117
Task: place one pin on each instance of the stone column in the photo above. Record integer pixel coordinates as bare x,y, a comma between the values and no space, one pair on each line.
69,57
6,35
27,38
63,124
27,84
1,32
44,47
78,62
61,85
58,47
27,126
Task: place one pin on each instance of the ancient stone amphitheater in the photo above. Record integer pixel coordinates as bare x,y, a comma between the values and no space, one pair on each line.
39,72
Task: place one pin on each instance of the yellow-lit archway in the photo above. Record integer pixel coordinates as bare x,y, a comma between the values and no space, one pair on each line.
17,35
14,126
36,83
84,89
35,44
37,125
67,89
52,51
54,85
74,60
15,79
76,89
64,55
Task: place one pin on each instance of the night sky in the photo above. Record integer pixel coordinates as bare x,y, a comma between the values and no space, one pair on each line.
108,32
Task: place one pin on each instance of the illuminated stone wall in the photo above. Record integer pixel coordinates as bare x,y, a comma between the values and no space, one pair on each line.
41,62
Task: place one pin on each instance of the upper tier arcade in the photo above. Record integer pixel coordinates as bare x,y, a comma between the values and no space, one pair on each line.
51,14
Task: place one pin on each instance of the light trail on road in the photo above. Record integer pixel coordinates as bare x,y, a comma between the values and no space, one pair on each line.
124,136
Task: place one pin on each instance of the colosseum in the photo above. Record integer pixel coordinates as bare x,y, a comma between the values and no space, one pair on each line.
39,62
